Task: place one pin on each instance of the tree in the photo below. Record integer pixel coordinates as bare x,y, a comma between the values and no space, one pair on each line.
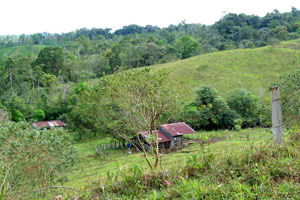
16,106
128,103
210,111
146,100
83,112
187,46
10,67
51,60
245,104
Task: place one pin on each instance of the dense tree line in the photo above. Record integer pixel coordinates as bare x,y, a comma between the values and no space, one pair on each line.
233,30
93,52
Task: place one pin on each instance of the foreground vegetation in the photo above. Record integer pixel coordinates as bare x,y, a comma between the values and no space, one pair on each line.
32,159
227,169
92,167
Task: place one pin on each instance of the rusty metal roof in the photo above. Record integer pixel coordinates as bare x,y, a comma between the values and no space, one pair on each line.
49,124
176,129
161,137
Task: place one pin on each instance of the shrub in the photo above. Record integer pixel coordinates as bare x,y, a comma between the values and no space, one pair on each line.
38,115
261,172
15,115
33,158
290,98
230,119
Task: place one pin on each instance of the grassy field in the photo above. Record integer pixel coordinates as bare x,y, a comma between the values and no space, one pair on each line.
252,69
21,51
91,167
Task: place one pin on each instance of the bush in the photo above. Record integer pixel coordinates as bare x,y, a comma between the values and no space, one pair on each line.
32,158
262,172
230,119
246,105
290,96
15,115
38,115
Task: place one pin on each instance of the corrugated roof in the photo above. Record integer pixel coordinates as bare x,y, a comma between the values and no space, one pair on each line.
49,124
176,129
161,137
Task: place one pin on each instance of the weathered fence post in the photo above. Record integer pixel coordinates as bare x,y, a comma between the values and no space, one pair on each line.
276,115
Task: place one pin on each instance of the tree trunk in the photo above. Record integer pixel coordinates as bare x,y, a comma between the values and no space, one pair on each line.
11,84
155,147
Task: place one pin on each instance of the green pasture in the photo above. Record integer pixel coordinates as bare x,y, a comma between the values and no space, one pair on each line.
92,167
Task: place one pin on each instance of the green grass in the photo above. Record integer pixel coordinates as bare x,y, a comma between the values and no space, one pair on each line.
91,167
252,69
21,51
246,165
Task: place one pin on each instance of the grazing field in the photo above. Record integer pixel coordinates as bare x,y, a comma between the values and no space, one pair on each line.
92,167
230,165
252,69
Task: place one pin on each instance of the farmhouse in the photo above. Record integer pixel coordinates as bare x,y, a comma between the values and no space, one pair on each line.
48,124
169,135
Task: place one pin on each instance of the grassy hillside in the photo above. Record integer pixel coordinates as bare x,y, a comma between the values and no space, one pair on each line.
21,51
252,69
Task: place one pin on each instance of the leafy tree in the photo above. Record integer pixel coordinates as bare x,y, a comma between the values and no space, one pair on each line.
205,95
16,107
126,104
51,60
187,46
146,101
83,112
245,104
10,68
281,32
210,111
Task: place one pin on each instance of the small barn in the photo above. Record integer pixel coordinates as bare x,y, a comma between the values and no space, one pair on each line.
163,140
176,131
169,135
48,124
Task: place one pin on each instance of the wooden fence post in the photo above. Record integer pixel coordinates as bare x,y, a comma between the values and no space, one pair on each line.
276,115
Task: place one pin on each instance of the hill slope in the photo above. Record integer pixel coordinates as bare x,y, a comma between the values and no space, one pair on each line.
21,51
252,69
